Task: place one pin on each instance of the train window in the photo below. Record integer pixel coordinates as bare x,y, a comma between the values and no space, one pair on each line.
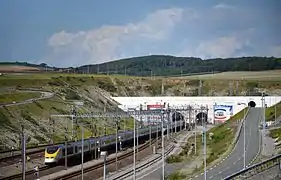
92,145
76,149
70,150
52,149
85,146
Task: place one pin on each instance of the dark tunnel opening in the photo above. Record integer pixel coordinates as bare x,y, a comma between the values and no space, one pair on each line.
252,104
176,116
201,117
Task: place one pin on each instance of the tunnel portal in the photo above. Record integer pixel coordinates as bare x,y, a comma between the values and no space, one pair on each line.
201,117
252,104
176,116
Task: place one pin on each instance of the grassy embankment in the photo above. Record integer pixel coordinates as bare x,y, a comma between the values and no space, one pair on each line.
11,97
35,116
270,116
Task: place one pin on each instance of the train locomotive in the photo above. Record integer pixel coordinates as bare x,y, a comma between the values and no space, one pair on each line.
55,153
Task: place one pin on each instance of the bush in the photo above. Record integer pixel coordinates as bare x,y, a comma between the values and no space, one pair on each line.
176,176
71,95
173,159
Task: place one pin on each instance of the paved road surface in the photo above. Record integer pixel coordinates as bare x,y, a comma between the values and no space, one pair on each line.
235,161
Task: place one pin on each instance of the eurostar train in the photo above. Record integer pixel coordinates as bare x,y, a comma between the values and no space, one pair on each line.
55,153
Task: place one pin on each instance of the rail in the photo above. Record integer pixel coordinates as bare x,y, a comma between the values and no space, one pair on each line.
101,164
140,168
256,168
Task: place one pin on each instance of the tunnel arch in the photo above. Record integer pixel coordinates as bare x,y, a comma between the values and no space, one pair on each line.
177,116
202,116
252,104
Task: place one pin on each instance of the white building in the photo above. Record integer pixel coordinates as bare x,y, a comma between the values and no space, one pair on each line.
230,101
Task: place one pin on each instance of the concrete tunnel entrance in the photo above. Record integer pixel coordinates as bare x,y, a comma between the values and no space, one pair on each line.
176,116
201,117
252,104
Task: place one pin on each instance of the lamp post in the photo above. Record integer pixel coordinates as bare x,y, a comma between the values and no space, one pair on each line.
244,134
104,154
82,159
195,122
23,141
205,150
134,178
163,154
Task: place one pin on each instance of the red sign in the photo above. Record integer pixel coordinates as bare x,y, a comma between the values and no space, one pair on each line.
155,106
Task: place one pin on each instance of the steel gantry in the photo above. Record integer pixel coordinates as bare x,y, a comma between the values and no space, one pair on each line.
138,114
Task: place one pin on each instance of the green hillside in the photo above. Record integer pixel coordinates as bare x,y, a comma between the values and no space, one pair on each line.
158,65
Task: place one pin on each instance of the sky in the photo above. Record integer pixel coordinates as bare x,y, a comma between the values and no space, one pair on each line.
72,33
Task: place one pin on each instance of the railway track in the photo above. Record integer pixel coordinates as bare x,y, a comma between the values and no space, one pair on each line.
100,165
18,176
46,168
140,168
17,158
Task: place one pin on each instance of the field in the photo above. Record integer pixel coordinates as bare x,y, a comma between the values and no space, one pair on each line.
240,75
17,68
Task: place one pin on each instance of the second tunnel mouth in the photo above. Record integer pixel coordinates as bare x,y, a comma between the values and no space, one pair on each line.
201,117
252,104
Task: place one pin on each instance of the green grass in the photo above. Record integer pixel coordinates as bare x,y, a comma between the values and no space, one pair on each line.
275,133
18,96
270,112
223,136
176,176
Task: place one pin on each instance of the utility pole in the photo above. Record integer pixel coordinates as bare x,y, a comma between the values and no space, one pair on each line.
134,178
72,119
205,152
244,127
163,154
162,88
140,116
65,151
275,118
23,152
149,124
82,169
195,122
116,145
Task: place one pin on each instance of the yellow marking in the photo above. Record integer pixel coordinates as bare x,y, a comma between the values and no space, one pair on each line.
47,155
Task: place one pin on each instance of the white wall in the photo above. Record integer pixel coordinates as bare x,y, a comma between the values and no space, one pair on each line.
133,102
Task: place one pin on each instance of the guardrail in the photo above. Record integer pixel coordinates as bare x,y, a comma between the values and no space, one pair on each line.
256,168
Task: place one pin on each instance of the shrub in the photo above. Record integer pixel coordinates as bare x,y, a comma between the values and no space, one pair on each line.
71,95
176,176
173,159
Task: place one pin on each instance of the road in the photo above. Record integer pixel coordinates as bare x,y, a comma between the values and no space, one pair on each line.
44,95
235,161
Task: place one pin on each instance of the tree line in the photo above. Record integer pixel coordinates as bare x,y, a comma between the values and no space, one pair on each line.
157,65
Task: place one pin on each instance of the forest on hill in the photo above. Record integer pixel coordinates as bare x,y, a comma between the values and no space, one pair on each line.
158,65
